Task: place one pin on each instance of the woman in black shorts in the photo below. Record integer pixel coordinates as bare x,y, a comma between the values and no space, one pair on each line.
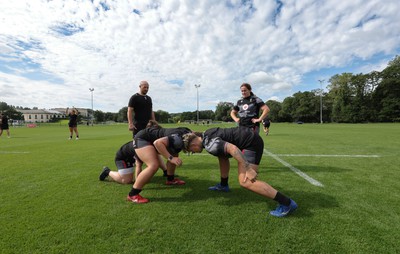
125,162
150,142
4,125
246,147
73,122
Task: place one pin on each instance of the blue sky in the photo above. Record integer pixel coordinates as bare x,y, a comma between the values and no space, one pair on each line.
52,52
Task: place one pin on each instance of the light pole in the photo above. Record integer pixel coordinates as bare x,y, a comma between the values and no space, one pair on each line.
320,99
197,87
91,91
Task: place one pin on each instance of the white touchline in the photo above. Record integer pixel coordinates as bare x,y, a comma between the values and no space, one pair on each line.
330,155
11,152
297,171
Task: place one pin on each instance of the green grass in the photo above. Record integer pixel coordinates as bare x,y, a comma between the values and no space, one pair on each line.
51,200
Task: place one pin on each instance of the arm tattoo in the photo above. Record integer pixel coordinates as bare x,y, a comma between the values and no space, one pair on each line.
246,163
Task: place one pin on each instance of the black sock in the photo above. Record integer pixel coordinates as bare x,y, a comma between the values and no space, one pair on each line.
134,192
170,177
282,199
224,181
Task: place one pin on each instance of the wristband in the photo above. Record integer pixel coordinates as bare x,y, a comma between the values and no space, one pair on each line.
170,157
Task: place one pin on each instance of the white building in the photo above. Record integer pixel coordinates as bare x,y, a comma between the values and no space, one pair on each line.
40,115
45,115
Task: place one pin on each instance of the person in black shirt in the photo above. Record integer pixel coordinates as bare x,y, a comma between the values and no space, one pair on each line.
266,122
73,122
140,109
148,144
4,124
125,161
140,112
247,109
246,147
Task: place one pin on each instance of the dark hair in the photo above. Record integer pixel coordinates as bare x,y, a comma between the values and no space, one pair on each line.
248,86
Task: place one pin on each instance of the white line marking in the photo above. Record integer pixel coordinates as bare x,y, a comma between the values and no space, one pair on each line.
330,155
297,171
11,152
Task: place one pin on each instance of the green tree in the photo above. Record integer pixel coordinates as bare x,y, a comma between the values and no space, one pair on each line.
341,95
288,108
99,116
361,99
223,110
207,114
109,116
275,107
162,116
3,106
122,115
305,107
386,97
187,115
10,111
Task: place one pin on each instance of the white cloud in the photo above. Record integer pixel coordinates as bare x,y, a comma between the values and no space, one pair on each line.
112,45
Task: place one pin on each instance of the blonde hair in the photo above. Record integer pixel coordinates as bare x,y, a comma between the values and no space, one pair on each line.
188,138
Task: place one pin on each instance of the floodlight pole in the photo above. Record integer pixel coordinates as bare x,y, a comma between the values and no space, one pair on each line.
91,91
320,99
197,87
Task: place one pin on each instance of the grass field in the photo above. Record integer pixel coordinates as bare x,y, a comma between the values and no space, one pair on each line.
345,179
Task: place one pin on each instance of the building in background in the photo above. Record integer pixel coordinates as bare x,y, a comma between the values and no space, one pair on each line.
47,115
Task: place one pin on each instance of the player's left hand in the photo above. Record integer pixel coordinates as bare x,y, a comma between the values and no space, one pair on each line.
251,174
177,161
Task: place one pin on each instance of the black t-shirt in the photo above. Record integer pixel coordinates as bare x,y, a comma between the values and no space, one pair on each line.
142,106
126,153
215,139
4,122
248,108
73,119
4,119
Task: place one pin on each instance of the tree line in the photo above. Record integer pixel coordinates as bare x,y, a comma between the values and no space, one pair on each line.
348,98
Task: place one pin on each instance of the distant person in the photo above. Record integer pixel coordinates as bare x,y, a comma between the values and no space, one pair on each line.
4,125
73,122
247,148
247,109
266,122
125,161
149,143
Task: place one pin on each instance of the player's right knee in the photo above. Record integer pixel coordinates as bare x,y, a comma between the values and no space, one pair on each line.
127,179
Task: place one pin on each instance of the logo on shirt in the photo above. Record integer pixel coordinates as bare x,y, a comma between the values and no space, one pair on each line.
245,106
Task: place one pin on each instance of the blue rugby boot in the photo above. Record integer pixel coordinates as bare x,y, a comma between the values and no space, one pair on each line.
219,187
282,211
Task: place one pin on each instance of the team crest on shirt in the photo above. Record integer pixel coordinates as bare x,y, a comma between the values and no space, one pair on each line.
245,106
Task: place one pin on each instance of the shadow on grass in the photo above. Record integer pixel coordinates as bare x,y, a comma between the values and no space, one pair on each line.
197,190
